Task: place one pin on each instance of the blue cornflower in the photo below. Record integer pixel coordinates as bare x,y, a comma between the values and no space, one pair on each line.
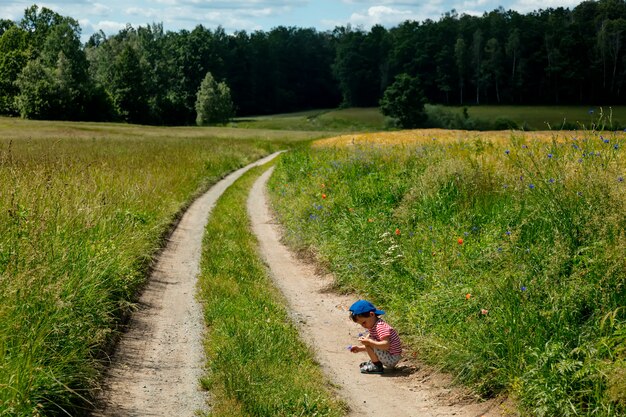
575,146
590,111
508,233
605,140
620,179
523,288
551,180
580,194
507,152
580,159
616,146
550,155
524,147
531,186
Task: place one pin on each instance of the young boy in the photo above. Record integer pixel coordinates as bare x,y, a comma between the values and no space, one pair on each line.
382,345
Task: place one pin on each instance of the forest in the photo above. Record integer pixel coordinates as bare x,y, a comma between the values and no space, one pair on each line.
149,75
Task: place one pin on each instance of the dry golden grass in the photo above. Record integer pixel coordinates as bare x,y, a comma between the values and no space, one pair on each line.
428,135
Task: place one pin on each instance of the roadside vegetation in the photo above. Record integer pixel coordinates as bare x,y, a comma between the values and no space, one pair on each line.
499,257
84,209
257,364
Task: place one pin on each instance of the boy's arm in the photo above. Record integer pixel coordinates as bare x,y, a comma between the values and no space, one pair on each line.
382,345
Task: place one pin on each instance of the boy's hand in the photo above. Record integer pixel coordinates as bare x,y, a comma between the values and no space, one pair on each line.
356,349
365,340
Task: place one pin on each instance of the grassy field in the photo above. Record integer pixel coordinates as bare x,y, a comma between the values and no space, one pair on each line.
330,121
545,117
533,118
84,208
500,256
258,366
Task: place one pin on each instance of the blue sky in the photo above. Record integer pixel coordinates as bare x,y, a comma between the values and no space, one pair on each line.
250,15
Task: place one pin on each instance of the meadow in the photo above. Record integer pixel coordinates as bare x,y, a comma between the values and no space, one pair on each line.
475,118
499,256
84,208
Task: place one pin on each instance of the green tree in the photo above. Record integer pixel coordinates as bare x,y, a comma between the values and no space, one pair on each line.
38,91
404,101
13,58
213,103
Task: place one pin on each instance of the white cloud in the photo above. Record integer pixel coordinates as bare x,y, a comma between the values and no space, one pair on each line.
381,15
108,26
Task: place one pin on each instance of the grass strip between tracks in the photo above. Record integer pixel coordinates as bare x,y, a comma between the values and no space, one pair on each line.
256,363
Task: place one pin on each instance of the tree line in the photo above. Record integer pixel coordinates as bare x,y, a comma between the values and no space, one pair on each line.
149,75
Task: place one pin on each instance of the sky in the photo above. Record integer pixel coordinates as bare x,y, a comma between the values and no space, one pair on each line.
236,15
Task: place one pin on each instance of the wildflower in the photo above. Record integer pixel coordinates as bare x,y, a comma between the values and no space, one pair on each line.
604,140
620,179
531,186
351,210
507,152
484,311
323,195
397,232
322,185
550,155
468,296
460,241
551,180
580,194
580,160
523,288
525,146
370,220
508,233
616,146
575,146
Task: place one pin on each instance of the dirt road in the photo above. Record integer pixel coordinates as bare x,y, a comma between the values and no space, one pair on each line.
157,365
398,394
159,361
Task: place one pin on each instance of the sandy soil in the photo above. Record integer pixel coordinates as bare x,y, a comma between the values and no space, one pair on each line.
411,390
158,362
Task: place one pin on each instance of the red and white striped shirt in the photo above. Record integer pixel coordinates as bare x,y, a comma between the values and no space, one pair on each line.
381,330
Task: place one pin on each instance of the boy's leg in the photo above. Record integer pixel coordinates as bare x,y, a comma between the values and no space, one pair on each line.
370,352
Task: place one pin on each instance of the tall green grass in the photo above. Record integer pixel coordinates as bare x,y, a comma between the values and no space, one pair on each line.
503,264
257,364
81,216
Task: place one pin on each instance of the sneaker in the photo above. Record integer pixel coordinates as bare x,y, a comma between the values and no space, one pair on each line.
362,364
370,368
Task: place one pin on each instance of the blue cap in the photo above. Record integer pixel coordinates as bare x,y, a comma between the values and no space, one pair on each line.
364,306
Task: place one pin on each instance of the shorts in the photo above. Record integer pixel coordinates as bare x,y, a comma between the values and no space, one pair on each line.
387,358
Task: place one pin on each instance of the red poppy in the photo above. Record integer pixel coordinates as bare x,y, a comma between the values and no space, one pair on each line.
397,232
460,241
323,195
